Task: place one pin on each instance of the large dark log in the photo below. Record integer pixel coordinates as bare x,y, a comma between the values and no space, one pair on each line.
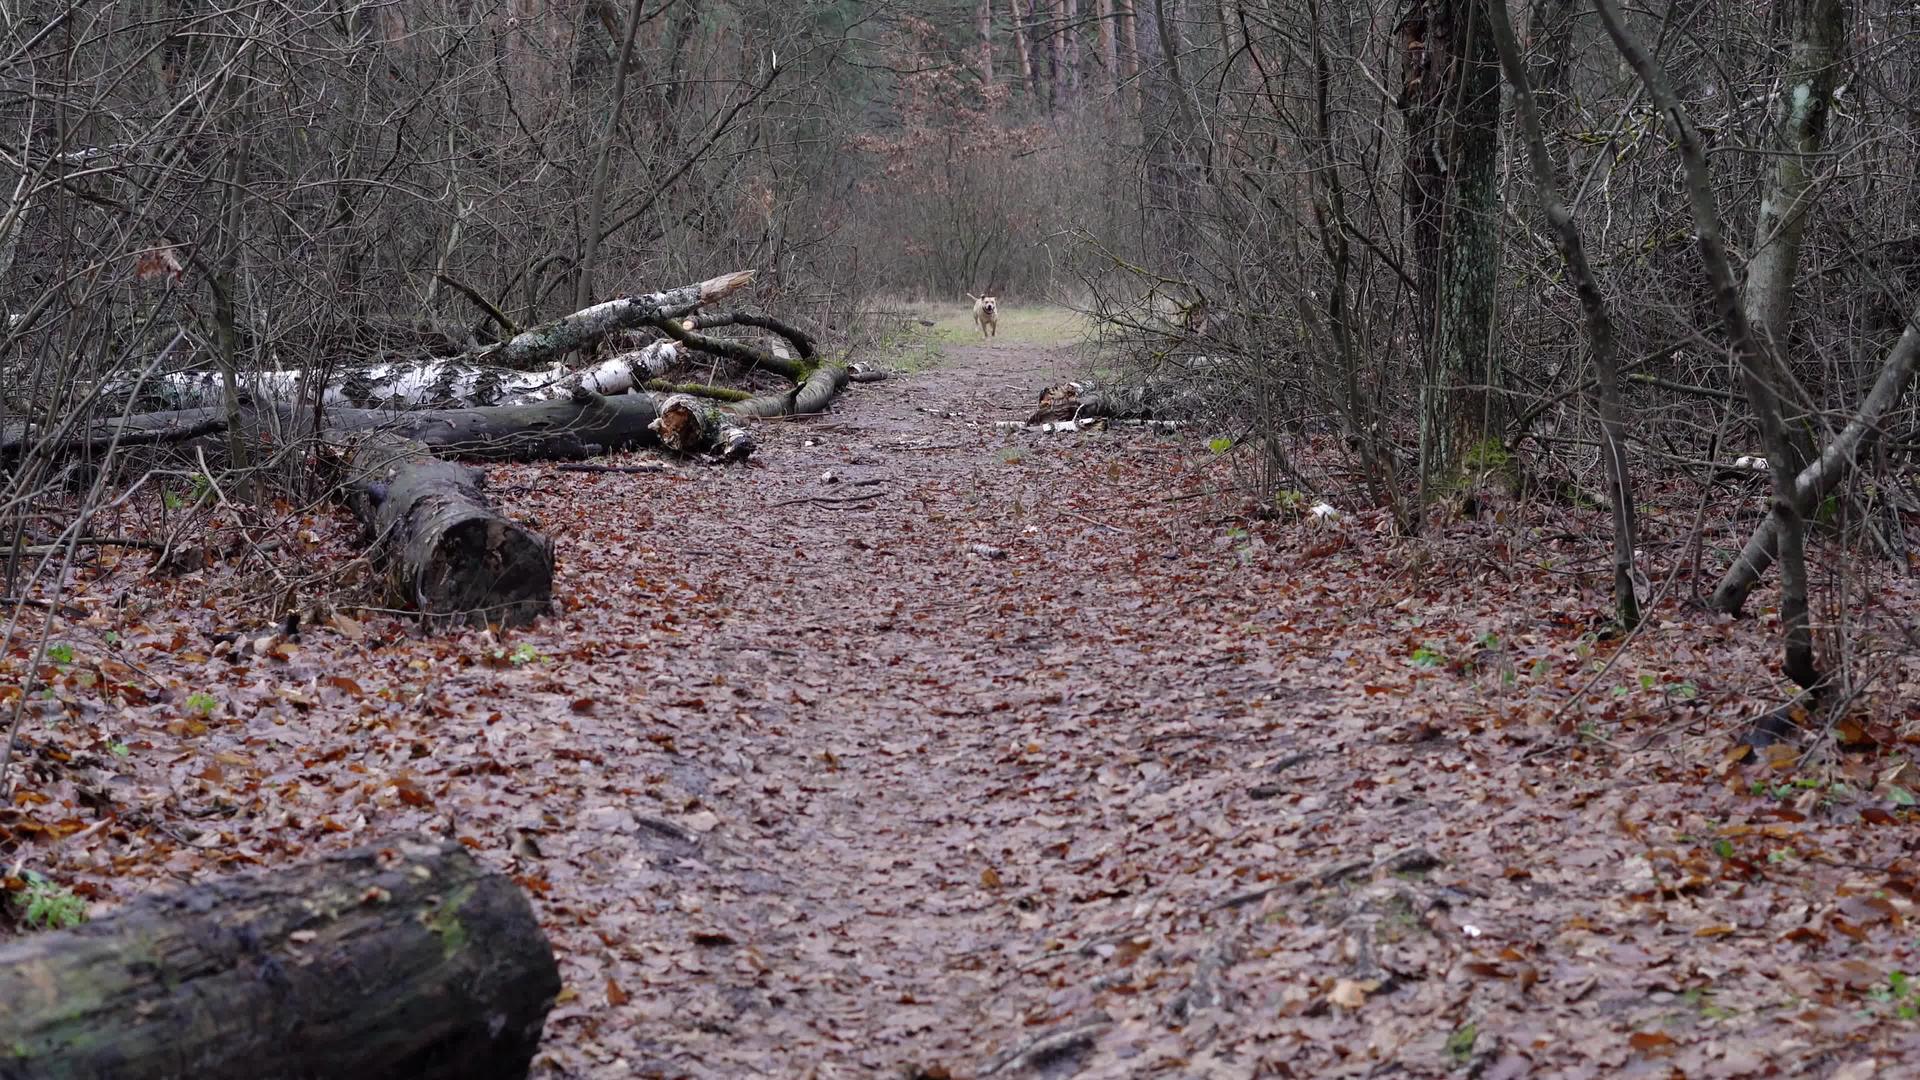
579,426
447,552
407,960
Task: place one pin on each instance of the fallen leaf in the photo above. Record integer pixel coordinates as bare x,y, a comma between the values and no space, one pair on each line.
1352,993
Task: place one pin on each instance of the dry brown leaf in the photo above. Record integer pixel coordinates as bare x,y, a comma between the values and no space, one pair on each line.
1352,993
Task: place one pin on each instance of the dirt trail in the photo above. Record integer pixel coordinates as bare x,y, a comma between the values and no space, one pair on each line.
1145,796
929,766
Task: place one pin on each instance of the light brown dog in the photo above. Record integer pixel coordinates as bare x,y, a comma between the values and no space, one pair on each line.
986,315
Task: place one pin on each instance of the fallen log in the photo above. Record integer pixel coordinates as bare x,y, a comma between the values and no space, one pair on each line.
404,960
448,554
493,375
1155,399
426,383
811,396
444,550
750,356
543,343
803,342
689,425
617,374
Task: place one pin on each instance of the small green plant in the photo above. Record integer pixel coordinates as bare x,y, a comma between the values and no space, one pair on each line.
202,702
171,500
119,749
1460,1043
46,906
524,654
1220,444
1701,998
1490,454
1426,656
60,654
1899,992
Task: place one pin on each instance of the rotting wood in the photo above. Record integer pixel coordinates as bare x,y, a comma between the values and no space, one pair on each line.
447,552
688,424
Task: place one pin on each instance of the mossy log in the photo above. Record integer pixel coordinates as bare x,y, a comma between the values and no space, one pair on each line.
406,960
812,395
448,554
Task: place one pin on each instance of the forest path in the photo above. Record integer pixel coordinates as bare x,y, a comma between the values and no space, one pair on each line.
1022,755
923,767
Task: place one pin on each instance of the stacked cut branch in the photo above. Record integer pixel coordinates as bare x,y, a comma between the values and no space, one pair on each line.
403,960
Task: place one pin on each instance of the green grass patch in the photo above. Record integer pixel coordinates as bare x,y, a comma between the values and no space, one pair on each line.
1037,324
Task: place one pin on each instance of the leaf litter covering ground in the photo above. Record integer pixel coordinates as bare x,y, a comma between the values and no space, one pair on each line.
1020,755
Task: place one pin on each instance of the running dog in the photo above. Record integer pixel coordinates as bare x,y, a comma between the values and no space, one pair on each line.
986,315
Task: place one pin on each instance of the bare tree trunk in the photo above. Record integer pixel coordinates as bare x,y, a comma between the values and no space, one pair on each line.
1551,31
1020,45
1758,369
1451,104
1127,30
1800,125
1073,47
1593,304
984,16
597,187
1056,70
1109,54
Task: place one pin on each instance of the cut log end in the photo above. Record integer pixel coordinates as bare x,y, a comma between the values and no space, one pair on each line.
486,568
688,425
448,552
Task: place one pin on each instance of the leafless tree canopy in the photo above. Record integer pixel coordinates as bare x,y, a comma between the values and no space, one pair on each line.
1355,222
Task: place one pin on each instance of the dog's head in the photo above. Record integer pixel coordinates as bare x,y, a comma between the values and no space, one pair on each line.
989,305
